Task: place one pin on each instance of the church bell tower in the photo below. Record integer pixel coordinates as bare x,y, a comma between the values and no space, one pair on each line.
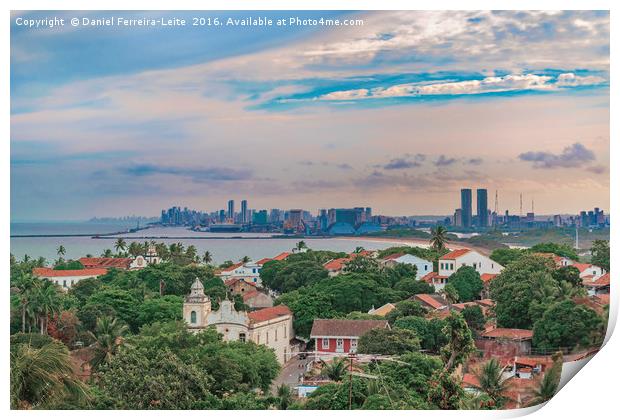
196,307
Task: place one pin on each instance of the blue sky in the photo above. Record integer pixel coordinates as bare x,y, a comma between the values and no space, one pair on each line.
398,113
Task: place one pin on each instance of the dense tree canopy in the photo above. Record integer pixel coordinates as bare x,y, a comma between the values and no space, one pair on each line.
505,256
430,332
600,254
557,249
467,283
566,325
393,341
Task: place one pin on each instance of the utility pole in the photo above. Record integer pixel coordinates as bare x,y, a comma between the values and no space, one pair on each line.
351,356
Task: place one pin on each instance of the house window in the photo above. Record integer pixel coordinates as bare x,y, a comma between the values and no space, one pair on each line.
242,337
325,343
64,283
451,266
426,268
353,344
441,266
339,343
192,317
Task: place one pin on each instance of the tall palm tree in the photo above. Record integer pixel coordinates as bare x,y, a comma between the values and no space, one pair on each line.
61,251
107,253
46,303
285,396
359,249
43,375
108,338
439,237
335,370
134,249
301,245
120,245
207,257
491,381
245,259
191,252
26,286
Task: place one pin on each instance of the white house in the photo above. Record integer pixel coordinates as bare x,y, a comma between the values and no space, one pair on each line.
250,272
589,272
423,266
452,261
67,278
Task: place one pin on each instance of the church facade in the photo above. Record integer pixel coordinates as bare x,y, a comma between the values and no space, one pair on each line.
272,327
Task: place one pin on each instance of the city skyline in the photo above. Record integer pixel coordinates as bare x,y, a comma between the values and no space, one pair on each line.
397,114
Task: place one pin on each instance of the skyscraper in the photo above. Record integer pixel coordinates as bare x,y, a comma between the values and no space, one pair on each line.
466,207
231,209
244,211
482,206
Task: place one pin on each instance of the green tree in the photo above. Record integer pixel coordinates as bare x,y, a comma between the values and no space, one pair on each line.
566,325
207,258
492,381
467,283
162,309
124,303
430,332
405,308
460,342
43,376
445,392
549,383
107,340
45,303
474,317
361,264
139,379
83,289
336,370
600,253
393,341
120,245
61,251
558,249
439,237
505,256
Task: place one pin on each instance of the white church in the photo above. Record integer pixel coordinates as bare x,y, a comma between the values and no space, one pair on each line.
272,327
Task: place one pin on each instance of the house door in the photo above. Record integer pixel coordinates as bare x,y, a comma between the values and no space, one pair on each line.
339,345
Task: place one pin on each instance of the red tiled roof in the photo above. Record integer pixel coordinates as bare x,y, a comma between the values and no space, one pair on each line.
363,253
269,313
282,256
509,333
581,266
430,300
87,272
336,264
471,380
487,277
455,254
461,306
263,261
344,327
250,294
428,278
600,282
235,280
102,262
602,299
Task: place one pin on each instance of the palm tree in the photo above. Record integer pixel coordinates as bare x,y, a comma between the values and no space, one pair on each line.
359,249
134,249
438,237
107,253
26,258
450,294
191,252
46,303
61,251
25,285
491,381
245,259
120,245
108,338
207,257
547,387
335,370
43,375
301,245
285,396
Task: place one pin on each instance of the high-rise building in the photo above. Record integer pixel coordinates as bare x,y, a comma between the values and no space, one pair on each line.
458,220
482,206
244,211
231,209
466,207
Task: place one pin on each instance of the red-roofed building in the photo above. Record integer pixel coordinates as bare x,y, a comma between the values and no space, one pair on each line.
341,335
257,300
558,260
238,286
102,262
282,256
434,279
250,272
271,326
67,278
336,266
431,302
598,286
452,261
505,342
589,272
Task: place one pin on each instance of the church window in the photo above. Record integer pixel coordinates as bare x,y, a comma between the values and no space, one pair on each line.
242,337
193,317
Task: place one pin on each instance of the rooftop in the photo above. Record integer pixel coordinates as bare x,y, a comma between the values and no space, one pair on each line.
344,327
102,262
508,333
268,314
86,272
455,254
434,301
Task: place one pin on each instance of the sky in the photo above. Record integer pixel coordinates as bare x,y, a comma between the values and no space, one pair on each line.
398,114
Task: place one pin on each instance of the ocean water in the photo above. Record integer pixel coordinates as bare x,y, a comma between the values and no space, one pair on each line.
222,246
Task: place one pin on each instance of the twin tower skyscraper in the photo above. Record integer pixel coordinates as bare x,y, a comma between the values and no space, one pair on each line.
482,204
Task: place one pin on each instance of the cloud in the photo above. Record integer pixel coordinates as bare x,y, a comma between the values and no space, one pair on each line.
597,169
475,161
344,166
575,155
491,84
444,161
197,174
401,163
